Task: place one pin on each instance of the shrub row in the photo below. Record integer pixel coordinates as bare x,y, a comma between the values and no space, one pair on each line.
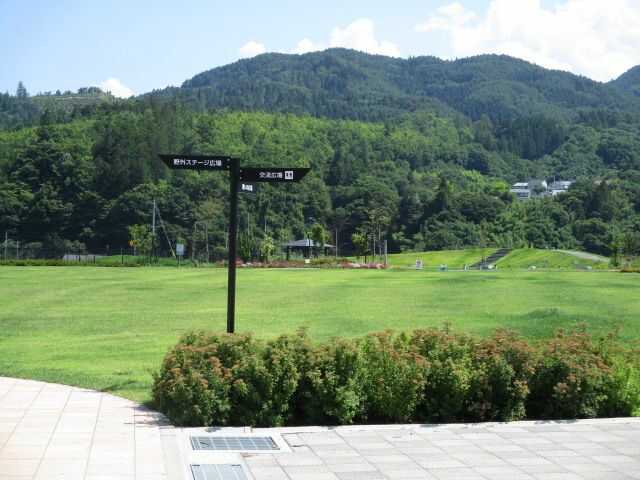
426,376
38,262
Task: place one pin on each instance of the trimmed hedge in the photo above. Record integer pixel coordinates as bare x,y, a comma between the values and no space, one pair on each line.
429,375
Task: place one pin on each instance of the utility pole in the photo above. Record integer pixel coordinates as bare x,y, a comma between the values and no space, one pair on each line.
206,239
153,231
6,244
373,250
193,242
386,254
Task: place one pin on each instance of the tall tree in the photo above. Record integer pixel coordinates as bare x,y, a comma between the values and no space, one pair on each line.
21,91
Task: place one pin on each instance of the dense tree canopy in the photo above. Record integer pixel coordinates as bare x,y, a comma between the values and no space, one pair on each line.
430,168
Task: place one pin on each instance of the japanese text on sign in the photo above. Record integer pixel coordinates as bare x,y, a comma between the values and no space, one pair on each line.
191,162
270,174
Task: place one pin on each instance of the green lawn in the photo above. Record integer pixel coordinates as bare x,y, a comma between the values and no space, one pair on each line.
108,328
433,260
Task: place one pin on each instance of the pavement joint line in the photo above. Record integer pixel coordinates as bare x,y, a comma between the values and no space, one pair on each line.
12,383
66,402
93,437
25,411
9,389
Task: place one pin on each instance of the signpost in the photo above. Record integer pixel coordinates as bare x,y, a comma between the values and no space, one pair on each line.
197,162
240,179
274,174
246,187
179,251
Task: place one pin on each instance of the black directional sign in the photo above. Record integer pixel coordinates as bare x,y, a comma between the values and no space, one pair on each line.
196,162
240,180
246,187
274,174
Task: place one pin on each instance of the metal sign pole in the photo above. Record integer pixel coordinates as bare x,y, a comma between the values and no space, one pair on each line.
234,172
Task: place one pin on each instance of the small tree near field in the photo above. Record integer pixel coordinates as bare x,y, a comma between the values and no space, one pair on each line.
141,238
267,248
360,243
319,236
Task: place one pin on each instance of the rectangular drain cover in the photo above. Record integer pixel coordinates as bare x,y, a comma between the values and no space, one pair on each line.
218,472
233,443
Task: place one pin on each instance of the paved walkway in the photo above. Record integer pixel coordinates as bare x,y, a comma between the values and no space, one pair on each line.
57,432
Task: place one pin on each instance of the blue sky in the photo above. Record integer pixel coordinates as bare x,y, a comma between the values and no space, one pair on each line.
139,45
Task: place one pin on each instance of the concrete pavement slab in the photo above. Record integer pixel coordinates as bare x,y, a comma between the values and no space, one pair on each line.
52,431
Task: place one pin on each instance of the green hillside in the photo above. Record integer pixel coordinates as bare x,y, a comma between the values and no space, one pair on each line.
629,81
68,101
433,260
552,259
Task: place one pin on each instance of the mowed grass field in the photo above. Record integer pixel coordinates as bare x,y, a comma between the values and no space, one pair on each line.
109,328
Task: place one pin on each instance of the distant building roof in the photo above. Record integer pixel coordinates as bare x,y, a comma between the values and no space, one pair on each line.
304,243
561,185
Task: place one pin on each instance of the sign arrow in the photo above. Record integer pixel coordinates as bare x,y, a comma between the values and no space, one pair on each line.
273,174
196,162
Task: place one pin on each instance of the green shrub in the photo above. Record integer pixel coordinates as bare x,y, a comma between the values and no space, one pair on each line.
430,375
570,379
331,389
499,387
448,376
192,387
394,377
622,387
263,384
622,390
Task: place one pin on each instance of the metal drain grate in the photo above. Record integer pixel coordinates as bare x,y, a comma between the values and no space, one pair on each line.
218,472
234,443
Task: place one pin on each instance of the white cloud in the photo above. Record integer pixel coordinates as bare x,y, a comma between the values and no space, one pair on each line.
251,49
116,87
360,35
448,15
597,39
305,46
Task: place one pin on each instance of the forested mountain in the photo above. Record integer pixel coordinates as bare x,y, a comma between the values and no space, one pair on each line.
629,81
23,110
419,152
341,83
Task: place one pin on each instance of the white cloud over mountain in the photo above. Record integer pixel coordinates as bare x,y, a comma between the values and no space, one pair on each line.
358,35
116,87
591,37
251,49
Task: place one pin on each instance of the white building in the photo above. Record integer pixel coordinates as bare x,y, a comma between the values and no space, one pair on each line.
539,188
559,187
529,189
